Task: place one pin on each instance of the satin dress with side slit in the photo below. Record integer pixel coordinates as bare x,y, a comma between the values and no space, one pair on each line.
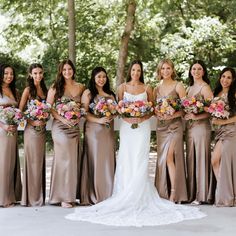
198,156
223,192
170,132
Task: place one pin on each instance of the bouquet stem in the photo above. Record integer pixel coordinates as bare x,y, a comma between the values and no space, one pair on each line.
108,125
11,133
134,126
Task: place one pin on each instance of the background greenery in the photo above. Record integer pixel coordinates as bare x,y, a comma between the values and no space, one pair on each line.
37,31
179,29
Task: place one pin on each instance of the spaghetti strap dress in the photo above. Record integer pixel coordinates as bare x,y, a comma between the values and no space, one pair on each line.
170,132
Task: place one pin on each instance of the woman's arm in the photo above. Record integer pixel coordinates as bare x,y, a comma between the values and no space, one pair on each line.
24,99
216,121
154,94
120,92
149,93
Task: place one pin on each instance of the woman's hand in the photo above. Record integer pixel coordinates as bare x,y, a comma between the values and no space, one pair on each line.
10,128
164,117
190,116
36,122
105,120
69,123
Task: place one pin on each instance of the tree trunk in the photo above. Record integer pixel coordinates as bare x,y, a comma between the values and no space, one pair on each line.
123,53
71,30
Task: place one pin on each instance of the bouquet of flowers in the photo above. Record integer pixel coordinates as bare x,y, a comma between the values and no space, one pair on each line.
70,110
136,109
193,105
167,106
219,108
37,110
103,108
11,116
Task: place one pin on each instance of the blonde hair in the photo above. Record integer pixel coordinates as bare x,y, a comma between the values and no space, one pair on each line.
169,62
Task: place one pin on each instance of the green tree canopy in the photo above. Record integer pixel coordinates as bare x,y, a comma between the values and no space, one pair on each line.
179,29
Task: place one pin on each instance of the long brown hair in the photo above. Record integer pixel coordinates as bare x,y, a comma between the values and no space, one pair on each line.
204,77
33,90
59,84
232,88
141,79
12,85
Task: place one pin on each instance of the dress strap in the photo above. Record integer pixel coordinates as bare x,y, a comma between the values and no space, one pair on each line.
176,85
205,84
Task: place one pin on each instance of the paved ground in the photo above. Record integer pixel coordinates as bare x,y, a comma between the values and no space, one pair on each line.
49,220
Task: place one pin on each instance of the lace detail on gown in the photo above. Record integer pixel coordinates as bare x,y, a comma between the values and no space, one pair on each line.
135,201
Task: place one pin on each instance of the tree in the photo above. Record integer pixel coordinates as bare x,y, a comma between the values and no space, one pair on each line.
125,41
71,30
174,28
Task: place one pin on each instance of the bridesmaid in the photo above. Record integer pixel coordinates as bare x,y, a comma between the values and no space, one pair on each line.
223,156
66,138
10,182
33,192
198,136
170,184
98,166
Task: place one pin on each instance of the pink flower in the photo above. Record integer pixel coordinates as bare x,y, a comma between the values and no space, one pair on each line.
68,115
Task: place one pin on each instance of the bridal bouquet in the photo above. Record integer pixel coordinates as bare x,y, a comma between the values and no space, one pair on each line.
11,116
136,109
69,109
166,106
37,110
103,108
193,105
219,108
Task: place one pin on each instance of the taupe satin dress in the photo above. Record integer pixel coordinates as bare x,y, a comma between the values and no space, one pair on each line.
168,132
98,167
33,191
64,176
198,156
224,191
10,180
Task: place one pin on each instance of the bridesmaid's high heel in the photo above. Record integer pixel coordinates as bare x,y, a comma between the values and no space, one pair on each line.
195,203
9,205
66,205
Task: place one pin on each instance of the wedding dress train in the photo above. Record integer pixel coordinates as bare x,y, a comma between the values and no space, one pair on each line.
135,201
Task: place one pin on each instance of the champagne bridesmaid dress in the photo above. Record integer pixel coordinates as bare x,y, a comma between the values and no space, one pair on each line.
33,191
170,132
64,177
10,180
198,141
223,193
98,168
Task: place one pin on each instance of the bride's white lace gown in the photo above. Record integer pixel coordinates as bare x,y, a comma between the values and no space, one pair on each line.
135,201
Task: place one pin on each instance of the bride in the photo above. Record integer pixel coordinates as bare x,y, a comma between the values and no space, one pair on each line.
135,201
